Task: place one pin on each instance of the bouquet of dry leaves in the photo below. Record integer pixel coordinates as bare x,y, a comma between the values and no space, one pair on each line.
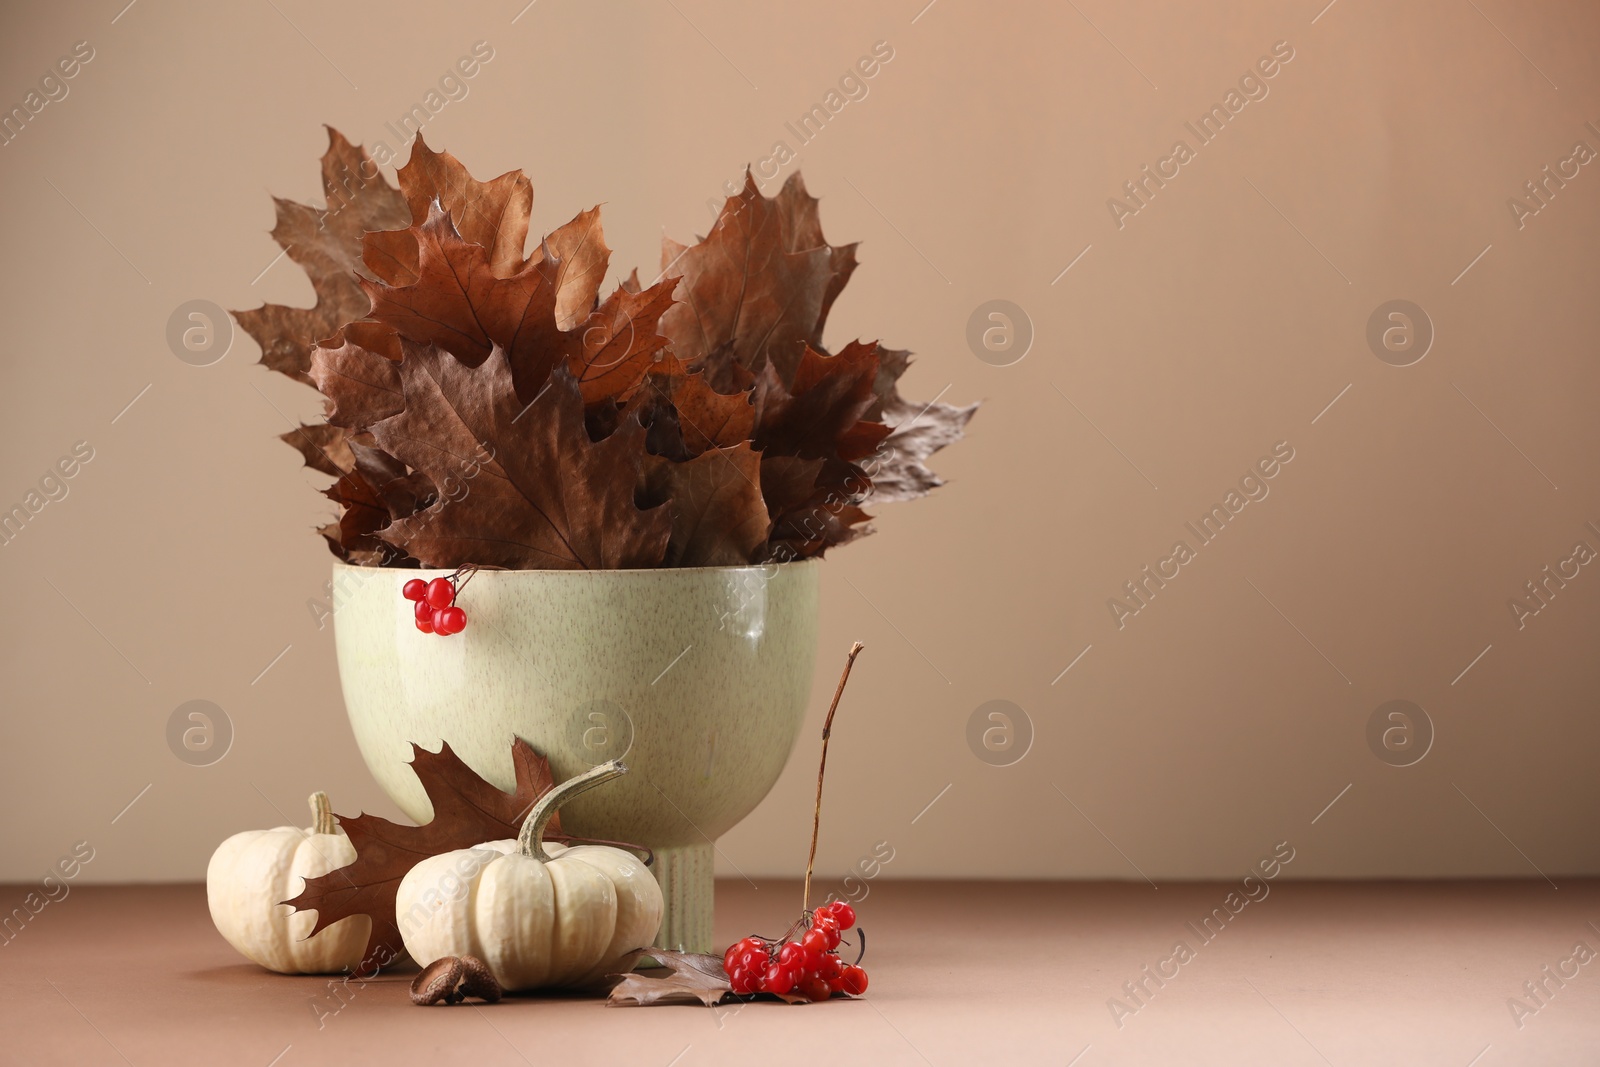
486,406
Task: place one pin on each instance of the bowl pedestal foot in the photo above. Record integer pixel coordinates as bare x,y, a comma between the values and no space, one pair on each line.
686,875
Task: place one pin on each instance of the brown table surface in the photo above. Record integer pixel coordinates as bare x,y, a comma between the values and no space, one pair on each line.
1315,973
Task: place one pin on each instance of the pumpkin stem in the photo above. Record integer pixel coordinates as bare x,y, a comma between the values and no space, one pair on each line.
531,841
322,814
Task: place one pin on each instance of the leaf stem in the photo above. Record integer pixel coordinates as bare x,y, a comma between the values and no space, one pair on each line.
822,767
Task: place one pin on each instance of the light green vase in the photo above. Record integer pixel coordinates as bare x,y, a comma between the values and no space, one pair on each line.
698,678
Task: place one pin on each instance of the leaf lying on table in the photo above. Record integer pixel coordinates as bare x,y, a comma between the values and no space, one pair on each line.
683,977
467,811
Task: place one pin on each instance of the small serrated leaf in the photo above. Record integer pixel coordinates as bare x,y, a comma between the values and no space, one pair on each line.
681,977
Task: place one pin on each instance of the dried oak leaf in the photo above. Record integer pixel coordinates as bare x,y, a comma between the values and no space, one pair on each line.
709,419
685,416
467,811
350,537
813,505
361,386
892,363
718,516
377,491
620,344
788,482
757,292
459,303
326,243
535,491
802,230
820,412
916,431
375,337
748,297
325,448
492,214
683,976
812,434
679,978
579,249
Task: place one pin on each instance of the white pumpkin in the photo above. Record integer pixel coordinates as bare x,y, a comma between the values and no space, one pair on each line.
541,916
250,873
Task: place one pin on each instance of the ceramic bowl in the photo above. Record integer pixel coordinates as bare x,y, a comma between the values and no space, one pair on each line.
698,678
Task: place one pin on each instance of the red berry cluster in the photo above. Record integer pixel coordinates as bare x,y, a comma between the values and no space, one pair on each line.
436,609
804,965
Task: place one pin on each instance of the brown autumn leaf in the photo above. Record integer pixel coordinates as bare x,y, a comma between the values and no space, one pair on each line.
619,343
813,504
802,230
391,256
375,337
491,214
467,811
788,482
535,491
821,412
459,303
836,415
350,536
747,298
538,463
580,252
718,516
325,448
494,215
685,416
916,431
364,511
326,243
892,364
820,429
682,977
374,493
709,419
361,386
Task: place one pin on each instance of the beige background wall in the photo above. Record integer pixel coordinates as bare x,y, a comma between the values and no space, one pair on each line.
1224,317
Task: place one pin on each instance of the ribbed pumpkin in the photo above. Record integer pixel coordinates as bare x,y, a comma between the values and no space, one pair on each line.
251,872
541,916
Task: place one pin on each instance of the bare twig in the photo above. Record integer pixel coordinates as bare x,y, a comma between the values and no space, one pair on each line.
822,767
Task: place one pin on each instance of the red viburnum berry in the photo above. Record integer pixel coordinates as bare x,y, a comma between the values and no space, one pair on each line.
441,593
